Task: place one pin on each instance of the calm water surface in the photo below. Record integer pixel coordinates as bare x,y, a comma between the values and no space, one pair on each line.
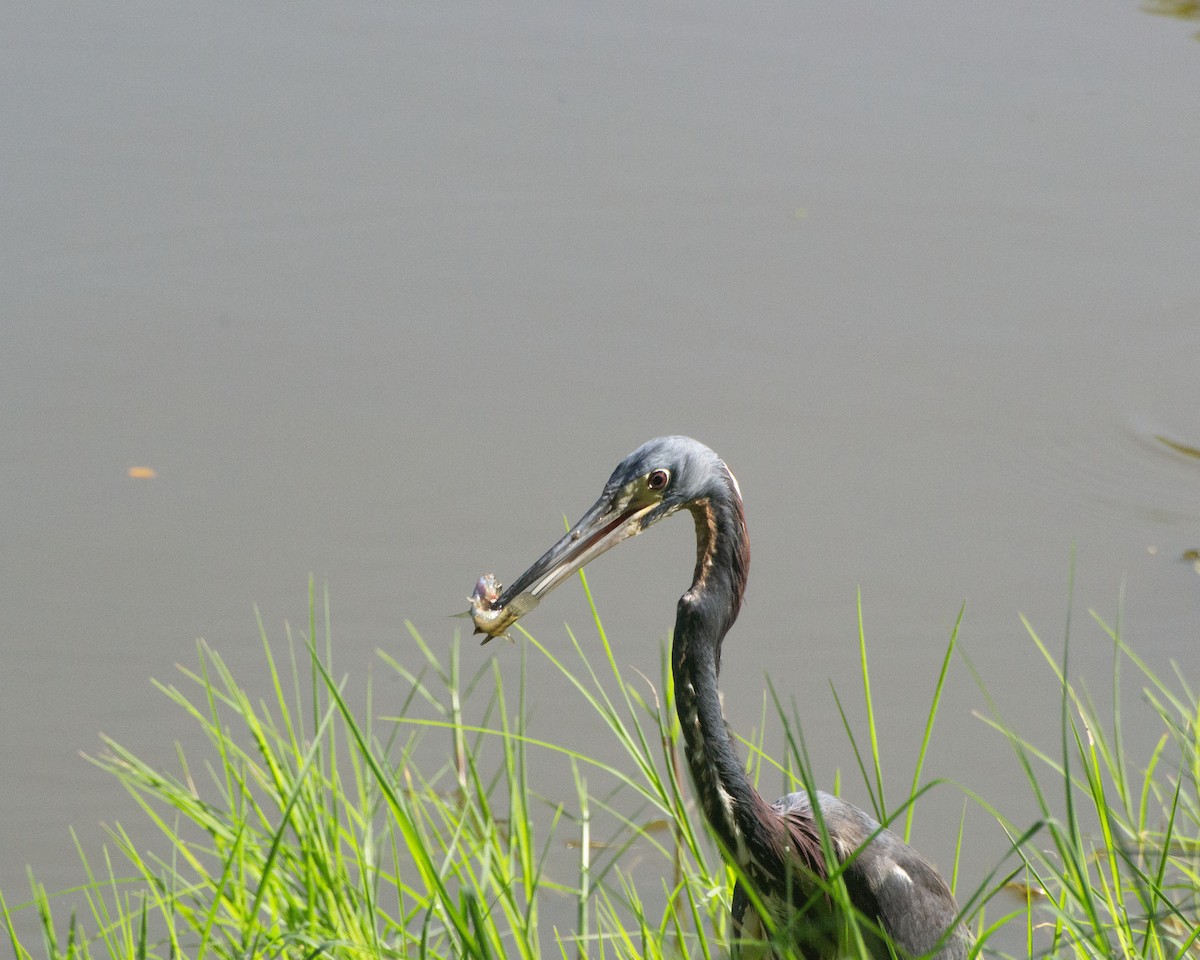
382,291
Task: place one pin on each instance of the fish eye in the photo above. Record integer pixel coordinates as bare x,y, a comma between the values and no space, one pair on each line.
657,479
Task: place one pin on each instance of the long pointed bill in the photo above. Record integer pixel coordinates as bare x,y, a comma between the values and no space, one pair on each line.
607,523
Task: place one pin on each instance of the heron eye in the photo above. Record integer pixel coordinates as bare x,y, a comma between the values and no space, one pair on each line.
658,479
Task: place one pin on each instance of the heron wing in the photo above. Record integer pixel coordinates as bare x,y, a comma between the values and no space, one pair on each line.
916,908
888,881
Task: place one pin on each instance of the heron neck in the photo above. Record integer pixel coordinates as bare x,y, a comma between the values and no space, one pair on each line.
705,613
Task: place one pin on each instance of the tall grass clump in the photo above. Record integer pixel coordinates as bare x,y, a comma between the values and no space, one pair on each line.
307,831
441,825
1114,870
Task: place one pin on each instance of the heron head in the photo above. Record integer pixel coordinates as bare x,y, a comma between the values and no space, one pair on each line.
657,479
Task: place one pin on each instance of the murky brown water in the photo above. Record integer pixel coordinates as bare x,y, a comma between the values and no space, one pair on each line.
381,292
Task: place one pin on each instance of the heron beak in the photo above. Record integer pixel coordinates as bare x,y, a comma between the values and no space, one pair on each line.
609,521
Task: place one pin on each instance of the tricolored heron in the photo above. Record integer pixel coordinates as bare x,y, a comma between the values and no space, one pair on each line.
776,847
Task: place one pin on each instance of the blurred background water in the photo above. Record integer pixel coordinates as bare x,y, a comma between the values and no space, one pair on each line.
382,290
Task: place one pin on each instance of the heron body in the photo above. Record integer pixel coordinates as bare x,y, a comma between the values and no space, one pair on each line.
776,847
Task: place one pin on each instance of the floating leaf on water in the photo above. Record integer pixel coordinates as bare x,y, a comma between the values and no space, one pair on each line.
592,845
1178,447
1025,891
1183,9
142,473
1190,556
